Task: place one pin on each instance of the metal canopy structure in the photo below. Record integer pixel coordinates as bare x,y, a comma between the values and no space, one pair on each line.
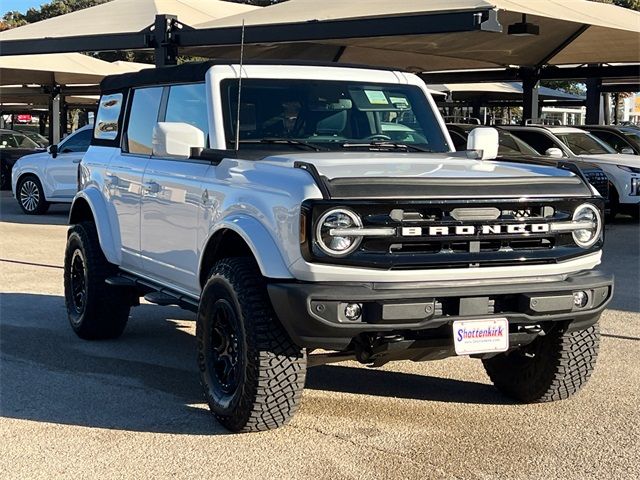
570,32
417,35
54,82
117,25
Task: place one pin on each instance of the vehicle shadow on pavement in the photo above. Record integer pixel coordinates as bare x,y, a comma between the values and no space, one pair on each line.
10,212
402,385
621,257
146,381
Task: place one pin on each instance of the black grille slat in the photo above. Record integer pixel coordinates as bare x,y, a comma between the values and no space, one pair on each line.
600,181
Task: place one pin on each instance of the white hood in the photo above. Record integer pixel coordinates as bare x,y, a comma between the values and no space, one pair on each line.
382,164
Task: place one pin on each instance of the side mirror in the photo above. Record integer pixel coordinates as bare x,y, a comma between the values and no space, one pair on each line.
53,150
554,153
485,141
627,151
175,140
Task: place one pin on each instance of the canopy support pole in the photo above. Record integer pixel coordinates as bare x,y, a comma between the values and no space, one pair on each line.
166,48
54,121
531,103
594,101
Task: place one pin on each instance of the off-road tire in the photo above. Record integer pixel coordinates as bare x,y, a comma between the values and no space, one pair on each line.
271,369
561,364
30,196
103,311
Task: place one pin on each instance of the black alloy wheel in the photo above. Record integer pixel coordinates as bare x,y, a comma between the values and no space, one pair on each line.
226,356
78,280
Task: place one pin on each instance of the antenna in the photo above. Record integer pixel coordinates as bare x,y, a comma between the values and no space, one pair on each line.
240,90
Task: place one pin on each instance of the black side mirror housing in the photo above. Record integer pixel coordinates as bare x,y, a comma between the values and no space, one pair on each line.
53,150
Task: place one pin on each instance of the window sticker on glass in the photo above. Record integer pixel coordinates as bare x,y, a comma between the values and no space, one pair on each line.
400,102
376,97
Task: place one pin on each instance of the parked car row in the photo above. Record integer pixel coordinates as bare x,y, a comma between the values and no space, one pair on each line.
13,145
608,157
615,174
50,176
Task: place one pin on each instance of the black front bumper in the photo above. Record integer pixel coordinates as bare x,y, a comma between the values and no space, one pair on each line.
313,313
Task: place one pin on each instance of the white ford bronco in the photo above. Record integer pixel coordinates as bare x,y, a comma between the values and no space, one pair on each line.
314,214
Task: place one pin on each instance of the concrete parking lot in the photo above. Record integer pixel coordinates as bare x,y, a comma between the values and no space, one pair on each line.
132,408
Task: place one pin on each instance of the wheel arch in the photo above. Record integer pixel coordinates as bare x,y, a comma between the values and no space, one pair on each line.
30,173
242,236
89,206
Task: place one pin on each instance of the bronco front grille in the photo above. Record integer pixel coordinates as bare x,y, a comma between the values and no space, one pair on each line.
407,249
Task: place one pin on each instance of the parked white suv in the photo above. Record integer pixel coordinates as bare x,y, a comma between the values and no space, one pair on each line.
301,234
48,177
622,170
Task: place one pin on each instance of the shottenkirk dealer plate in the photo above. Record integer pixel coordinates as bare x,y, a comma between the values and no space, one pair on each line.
481,336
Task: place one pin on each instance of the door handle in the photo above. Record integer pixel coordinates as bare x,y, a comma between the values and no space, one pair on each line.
150,187
77,160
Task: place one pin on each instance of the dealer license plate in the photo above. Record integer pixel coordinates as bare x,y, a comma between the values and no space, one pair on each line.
481,336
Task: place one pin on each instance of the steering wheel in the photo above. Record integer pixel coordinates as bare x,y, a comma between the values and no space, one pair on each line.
378,136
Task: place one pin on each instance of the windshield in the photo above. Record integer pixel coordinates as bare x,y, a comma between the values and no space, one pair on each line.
37,138
584,143
510,145
16,140
331,114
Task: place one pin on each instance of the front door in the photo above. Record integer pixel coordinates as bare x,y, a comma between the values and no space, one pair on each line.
61,175
172,200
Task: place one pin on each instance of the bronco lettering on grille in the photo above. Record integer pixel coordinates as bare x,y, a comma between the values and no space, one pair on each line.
470,230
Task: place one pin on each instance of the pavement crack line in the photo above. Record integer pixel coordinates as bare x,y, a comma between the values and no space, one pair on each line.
418,464
32,264
620,337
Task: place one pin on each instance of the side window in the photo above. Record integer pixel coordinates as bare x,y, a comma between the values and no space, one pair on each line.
78,142
8,141
106,127
537,140
611,139
459,142
188,104
142,119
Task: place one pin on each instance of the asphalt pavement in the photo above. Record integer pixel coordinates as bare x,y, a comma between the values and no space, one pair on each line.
132,408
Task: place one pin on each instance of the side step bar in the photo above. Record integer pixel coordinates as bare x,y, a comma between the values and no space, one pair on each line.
152,292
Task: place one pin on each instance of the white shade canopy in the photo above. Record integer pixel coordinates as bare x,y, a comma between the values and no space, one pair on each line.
124,16
59,69
571,32
499,91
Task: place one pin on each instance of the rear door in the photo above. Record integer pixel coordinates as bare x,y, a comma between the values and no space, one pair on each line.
61,174
173,196
123,178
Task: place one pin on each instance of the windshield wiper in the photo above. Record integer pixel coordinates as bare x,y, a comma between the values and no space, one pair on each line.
387,146
295,143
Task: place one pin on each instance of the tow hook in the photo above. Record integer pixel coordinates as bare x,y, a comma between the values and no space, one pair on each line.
532,329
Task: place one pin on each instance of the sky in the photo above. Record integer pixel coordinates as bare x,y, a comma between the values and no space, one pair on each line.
19,5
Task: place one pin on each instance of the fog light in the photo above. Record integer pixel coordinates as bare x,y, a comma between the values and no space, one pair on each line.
580,299
353,311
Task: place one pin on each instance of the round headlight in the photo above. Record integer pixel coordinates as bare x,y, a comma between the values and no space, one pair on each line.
586,237
337,245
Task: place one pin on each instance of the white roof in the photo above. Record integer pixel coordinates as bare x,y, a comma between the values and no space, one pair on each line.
124,16
565,130
611,36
